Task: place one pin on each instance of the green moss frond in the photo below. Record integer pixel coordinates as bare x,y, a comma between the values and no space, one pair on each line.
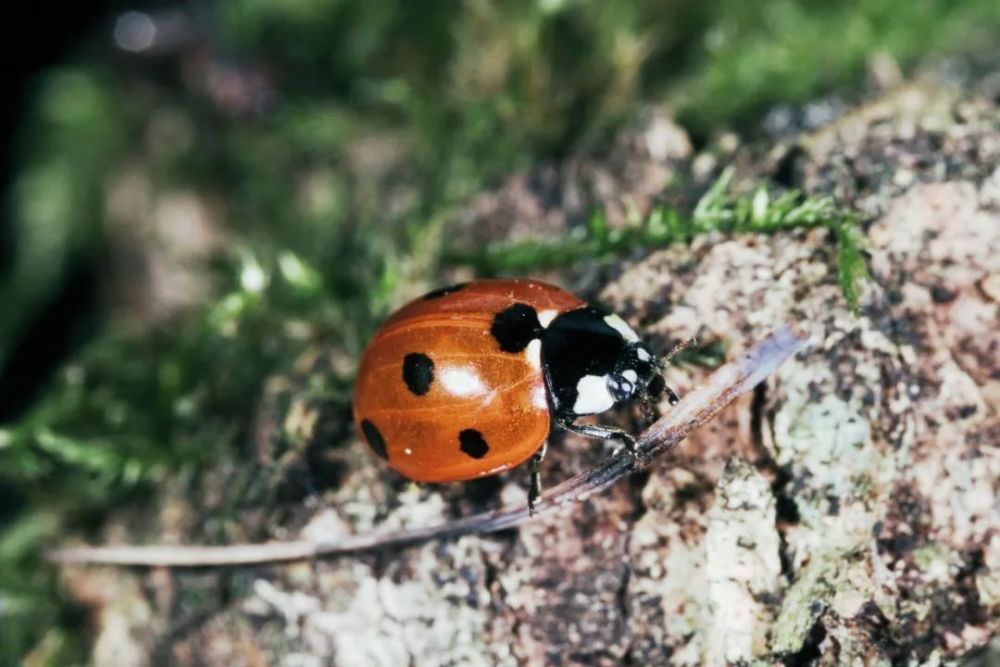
760,212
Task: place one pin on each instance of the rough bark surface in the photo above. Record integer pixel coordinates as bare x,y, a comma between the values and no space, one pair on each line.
846,512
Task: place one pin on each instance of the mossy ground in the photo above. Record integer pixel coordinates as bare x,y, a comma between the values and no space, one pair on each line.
343,138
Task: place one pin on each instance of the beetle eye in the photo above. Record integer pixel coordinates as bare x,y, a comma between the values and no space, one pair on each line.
656,386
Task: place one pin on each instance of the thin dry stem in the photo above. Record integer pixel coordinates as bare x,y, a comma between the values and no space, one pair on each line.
696,409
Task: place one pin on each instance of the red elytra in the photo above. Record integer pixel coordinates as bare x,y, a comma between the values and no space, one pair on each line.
437,395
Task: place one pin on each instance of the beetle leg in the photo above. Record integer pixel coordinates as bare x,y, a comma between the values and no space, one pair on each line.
648,407
535,488
659,386
601,432
651,395
648,404
680,347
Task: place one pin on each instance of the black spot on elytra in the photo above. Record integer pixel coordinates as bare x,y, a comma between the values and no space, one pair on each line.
443,291
374,438
515,327
418,372
472,443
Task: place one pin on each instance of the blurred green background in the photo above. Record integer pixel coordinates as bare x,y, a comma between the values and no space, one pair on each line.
202,190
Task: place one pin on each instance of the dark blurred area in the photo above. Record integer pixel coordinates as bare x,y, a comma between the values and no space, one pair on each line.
41,35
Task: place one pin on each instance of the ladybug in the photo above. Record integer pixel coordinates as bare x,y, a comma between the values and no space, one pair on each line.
465,381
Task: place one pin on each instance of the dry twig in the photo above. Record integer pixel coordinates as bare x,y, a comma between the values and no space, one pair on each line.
696,409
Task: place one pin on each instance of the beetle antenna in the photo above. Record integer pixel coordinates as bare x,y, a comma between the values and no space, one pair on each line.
677,349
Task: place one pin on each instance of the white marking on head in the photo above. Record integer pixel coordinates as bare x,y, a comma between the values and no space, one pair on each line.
592,395
407,451
534,353
539,398
461,381
643,354
630,375
545,318
619,325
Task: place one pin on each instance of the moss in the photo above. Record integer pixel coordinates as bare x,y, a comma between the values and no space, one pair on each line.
131,410
759,54
757,213
72,139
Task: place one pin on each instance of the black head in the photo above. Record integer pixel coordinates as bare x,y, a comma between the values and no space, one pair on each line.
636,369
592,360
